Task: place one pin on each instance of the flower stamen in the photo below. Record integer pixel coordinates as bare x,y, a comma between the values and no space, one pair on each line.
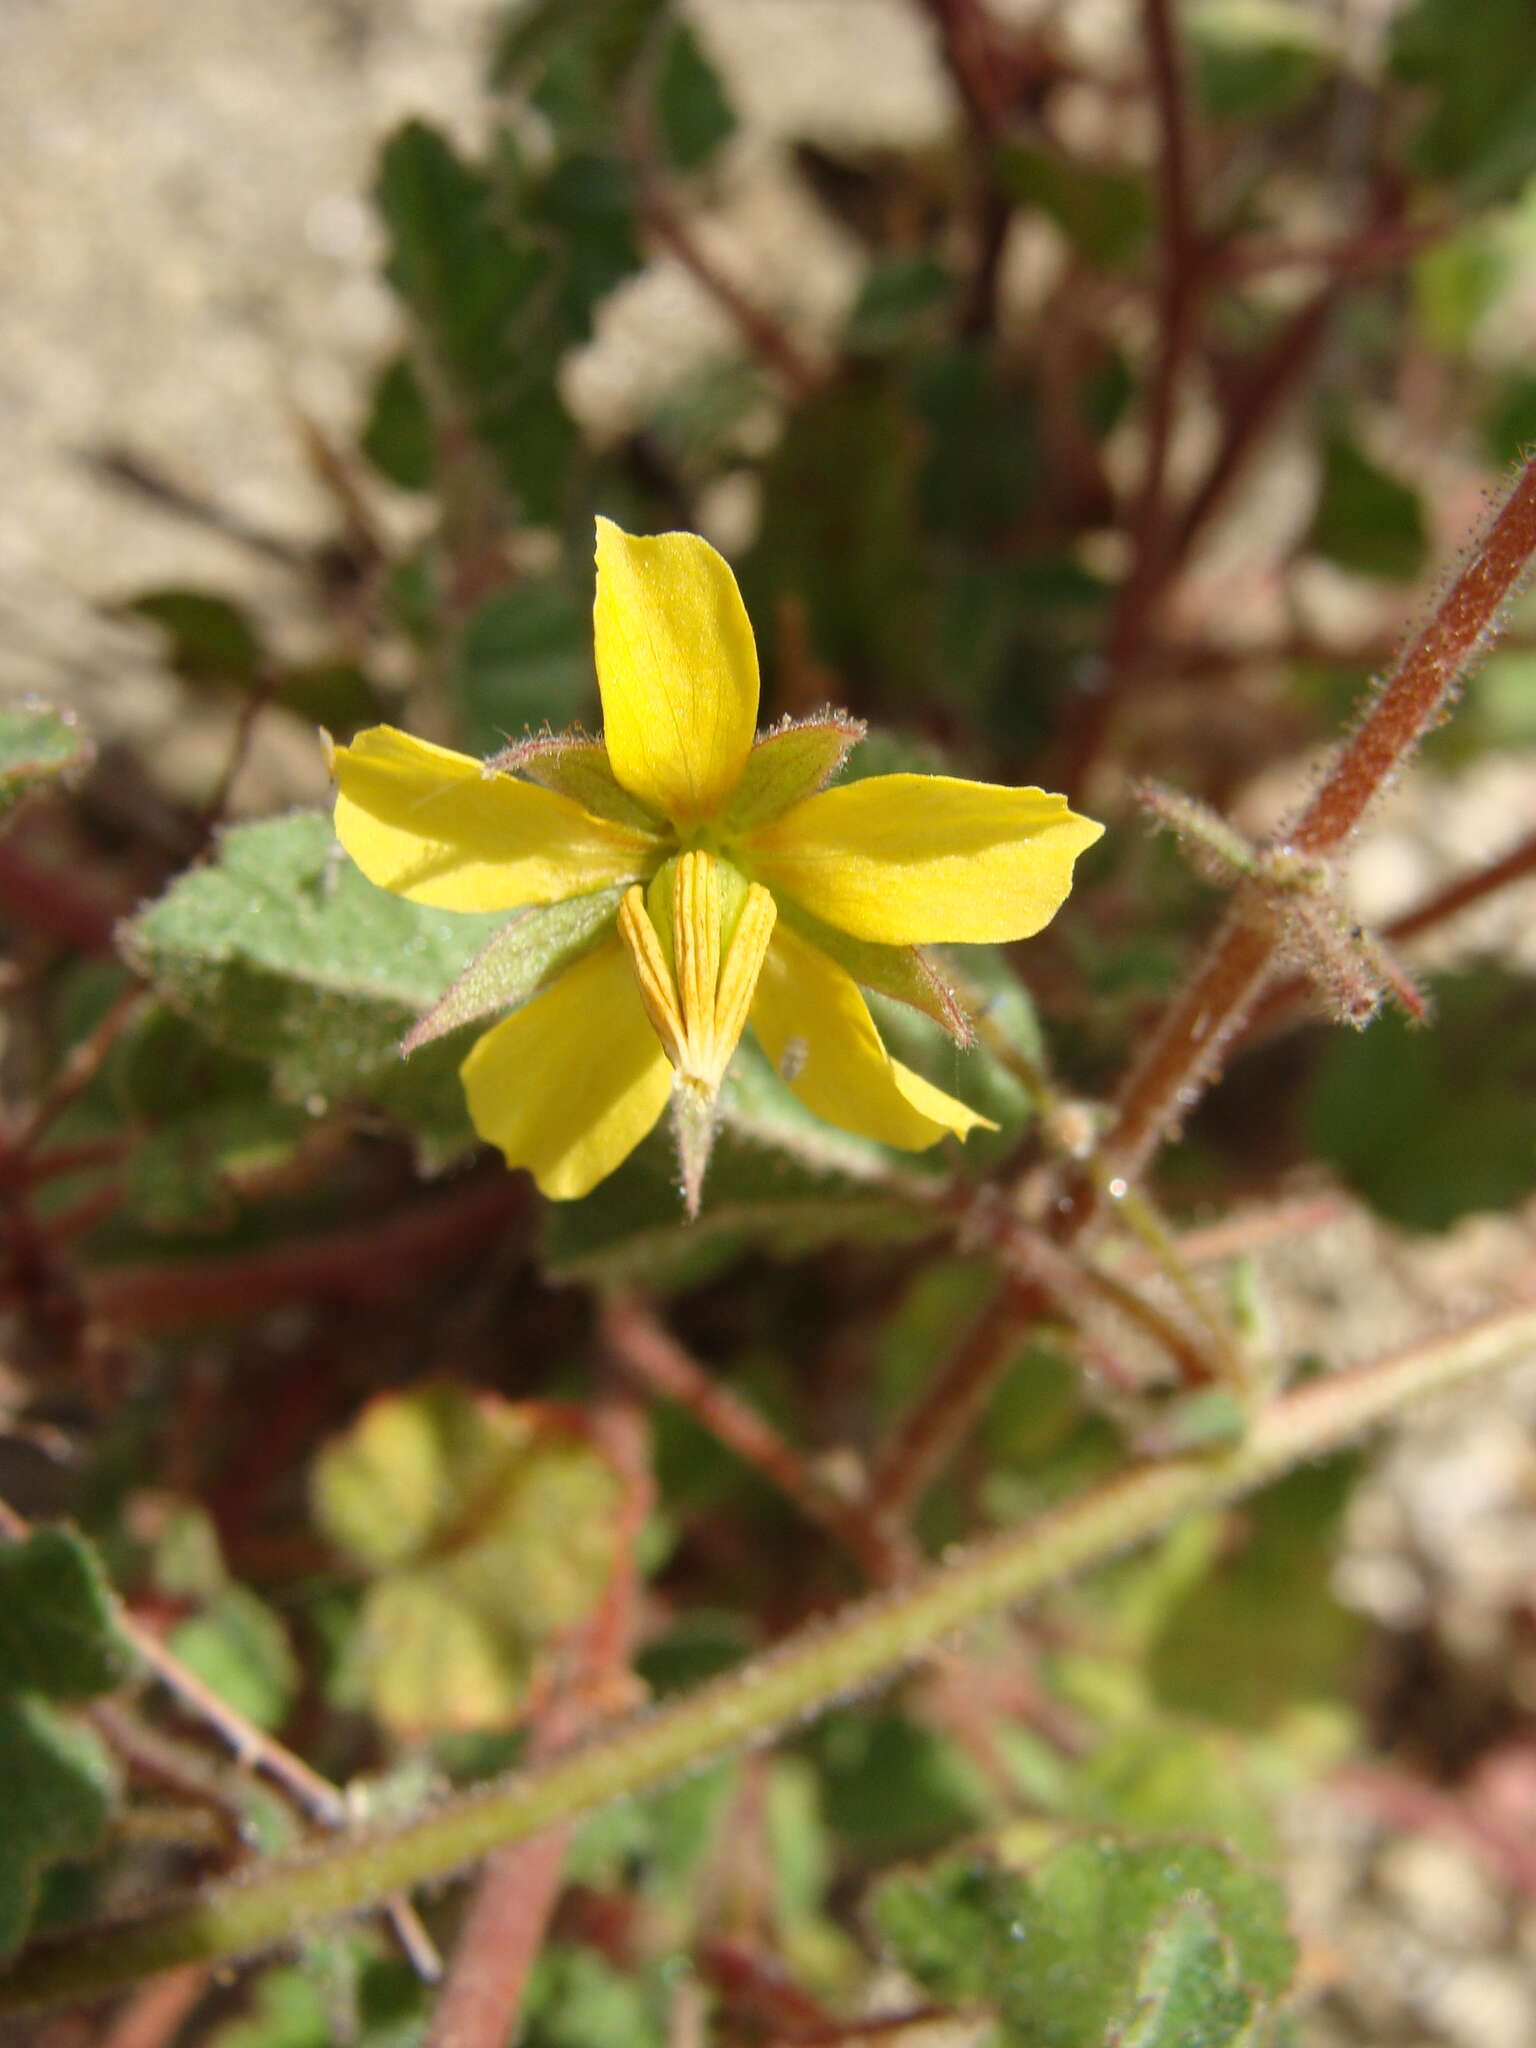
700,1003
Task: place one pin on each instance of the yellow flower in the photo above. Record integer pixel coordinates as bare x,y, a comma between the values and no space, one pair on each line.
707,880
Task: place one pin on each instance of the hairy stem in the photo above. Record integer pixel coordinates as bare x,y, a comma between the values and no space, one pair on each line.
868,1643
1184,1052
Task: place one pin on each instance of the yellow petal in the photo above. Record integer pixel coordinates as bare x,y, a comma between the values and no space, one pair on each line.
815,1026
909,860
677,668
569,1084
434,826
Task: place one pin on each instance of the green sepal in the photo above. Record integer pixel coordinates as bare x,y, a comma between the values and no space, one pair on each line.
905,973
523,957
576,766
789,763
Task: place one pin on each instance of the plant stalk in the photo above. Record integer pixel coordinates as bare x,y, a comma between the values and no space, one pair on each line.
866,1645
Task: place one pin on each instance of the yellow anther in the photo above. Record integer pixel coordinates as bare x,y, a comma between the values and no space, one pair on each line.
651,972
699,1010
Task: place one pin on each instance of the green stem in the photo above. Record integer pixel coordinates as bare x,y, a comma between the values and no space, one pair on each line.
865,1644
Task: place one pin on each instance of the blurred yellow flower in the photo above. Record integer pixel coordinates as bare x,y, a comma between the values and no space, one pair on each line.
709,880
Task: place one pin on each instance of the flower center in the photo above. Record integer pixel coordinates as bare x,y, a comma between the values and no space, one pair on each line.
698,988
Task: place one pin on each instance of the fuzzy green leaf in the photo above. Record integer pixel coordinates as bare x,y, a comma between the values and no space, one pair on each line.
282,952
240,1648
692,112
1104,1936
488,1529
398,438
1367,520
1262,1631
37,745
207,637
1480,131
58,1633
59,1788
1104,214
1434,1122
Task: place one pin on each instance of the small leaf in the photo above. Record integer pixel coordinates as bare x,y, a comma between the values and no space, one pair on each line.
240,1648
1433,1123
1261,1631
58,1631
1084,1947
692,112
893,1786
1188,1994
37,745
284,953
1104,214
489,1528
208,638
1480,131
1254,59
1367,520
524,659
902,303
59,1790
398,438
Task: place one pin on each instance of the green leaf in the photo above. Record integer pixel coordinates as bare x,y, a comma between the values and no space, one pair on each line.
240,1648
1480,131
398,436
983,454
1366,519
1255,59
577,1998
692,112
282,952
59,1790
208,639
891,1785
1104,1936
846,556
1163,1777
479,289
1433,1123
1509,427
1105,214
37,745
488,1528
1261,1631
779,1179
213,1122
585,206
58,1631
524,660
1188,1993
902,304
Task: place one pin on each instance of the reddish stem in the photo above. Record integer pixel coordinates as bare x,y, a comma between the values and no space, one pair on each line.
508,1917
650,1355
768,340
1184,1052
361,1262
